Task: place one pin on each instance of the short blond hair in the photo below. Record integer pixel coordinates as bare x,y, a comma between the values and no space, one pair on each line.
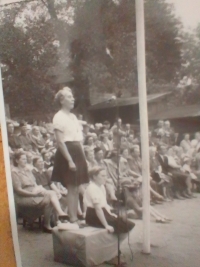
60,94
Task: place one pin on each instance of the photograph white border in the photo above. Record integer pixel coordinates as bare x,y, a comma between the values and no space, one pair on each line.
10,194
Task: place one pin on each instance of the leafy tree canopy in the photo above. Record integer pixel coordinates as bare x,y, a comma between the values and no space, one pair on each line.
94,40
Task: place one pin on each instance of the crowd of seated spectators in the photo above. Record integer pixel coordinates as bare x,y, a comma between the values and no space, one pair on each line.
174,168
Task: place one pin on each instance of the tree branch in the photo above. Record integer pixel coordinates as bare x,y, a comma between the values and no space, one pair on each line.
44,3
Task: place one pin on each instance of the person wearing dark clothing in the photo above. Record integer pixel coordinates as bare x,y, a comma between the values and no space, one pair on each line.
181,181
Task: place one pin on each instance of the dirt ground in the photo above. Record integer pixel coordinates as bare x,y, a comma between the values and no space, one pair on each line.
172,245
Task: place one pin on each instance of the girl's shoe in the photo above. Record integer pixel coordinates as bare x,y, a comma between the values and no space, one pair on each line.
63,218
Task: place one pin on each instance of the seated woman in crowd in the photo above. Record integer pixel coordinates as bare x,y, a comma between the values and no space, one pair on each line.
29,195
36,139
13,139
177,153
106,143
89,154
113,175
98,212
89,142
40,174
163,181
135,165
127,176
23,139
181,181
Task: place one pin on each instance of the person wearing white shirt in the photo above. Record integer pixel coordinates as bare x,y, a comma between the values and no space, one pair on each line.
98,212
70,167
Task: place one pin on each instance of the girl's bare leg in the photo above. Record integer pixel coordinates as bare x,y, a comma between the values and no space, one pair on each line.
55,202
72,199
79,209
156,213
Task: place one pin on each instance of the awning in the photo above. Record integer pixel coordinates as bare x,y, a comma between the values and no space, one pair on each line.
128,101
177,112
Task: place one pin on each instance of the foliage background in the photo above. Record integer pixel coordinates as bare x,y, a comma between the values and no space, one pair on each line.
91,45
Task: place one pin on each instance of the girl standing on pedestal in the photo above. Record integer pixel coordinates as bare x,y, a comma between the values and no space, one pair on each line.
70,168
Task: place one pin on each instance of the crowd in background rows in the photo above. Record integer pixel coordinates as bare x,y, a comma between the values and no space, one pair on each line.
174,169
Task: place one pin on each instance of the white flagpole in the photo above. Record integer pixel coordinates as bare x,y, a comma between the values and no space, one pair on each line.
141,67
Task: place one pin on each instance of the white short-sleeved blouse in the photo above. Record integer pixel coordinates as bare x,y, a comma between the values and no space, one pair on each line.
95,194
69,125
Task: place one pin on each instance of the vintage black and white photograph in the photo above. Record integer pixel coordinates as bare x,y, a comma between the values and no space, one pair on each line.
100,121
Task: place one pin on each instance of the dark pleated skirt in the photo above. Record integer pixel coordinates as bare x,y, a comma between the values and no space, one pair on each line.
120,225
61,172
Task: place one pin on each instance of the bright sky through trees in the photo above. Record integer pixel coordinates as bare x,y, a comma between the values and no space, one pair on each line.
188,11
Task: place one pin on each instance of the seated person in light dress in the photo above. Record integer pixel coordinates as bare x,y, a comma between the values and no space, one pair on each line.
35,199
